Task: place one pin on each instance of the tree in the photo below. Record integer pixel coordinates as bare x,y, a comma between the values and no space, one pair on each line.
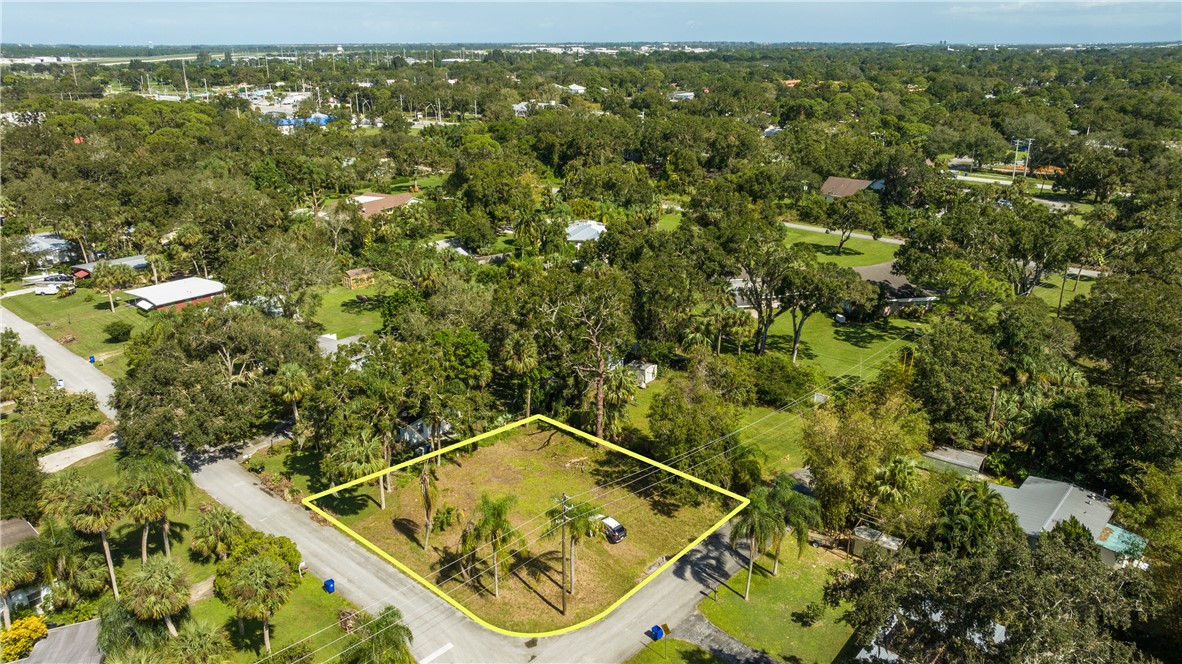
760,524
813,286
199,642
109,278
897,480
1132,324
618,389
492,527
261,587
157,483
291,386
249,546
1083,436
1156,515
845,446
691,427
65,563
581,523
385,639
20,484
16,569
355,457
96,508
58,492
854,213
521,359
158,591
970,516
799,512
143,499
429,491
956,370
215,531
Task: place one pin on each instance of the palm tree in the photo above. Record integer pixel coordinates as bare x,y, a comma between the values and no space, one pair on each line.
897,480
260,588
215,530
970,513
96,510
291,385
619,386
739,326
759,525
199,642
171,483
494,528
355,457
144,499
61,558
110,278
521,358
715,318
157,591
581,524
16,569
58,493
799,512
383,640
429,490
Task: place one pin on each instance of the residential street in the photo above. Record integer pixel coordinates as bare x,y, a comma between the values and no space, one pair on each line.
78,374
860,236
51,463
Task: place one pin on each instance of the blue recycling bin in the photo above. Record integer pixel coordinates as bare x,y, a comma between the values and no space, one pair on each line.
658,633
330,585
92,359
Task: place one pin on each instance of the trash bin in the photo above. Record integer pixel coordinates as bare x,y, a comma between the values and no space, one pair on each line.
92,359
61,384
330,586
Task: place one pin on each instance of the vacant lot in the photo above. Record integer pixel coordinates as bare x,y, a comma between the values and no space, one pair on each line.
536,467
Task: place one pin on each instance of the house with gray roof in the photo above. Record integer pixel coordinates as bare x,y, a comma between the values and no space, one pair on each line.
584,230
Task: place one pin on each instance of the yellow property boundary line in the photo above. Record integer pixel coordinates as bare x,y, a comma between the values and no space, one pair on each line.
308,502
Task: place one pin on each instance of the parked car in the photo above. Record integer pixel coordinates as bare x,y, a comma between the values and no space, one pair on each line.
52,288
613,530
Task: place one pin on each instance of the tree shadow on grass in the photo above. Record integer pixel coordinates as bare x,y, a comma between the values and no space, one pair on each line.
252,637
357,307
449,567
782,343
831,250
538,569
867,334
408,528
348,502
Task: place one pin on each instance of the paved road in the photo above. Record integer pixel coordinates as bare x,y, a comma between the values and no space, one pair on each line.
366,580
78,374
860,236
973,178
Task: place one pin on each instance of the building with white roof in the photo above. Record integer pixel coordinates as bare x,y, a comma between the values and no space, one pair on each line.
584,230
177,294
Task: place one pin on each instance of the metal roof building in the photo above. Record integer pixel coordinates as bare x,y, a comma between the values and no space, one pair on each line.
83,270
584,230
177,293
1040,503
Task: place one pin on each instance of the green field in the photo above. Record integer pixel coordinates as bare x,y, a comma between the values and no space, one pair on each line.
767,622
856,252
1048,290
83,316
342,313
839,349
308,611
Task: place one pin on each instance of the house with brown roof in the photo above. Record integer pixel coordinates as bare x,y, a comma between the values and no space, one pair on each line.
374,203
835,187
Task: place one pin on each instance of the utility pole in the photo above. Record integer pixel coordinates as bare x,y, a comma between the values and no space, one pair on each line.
565,520
1029,151
1014,173
185,76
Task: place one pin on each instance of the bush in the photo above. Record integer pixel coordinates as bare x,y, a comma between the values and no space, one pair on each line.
778,381
80,612
810,615
18,642
255,465
118,331
444,517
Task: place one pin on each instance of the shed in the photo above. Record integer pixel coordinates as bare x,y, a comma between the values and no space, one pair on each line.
421,431
177,294
646,372
84,270
865,537
962,462
358,278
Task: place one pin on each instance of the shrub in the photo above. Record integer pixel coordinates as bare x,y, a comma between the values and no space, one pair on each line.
118,331
255,465
444,517
80,612
18,641
778,381
810,615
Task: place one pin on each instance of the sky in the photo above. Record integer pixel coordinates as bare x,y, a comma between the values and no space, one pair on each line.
341,22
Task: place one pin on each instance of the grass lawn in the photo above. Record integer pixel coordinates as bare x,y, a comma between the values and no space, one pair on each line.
679,652
856,252
669,220
341,313
308,610
535,467
75,316
401,185
767,623
1048,290
840,349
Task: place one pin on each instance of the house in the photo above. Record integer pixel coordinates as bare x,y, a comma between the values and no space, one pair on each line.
646,372
84,270
359,277
450,244
13,532
50,248
1040,503
77,644
681,96
374,203
896,292
835,187
177,294
771,131
966,463
576,89
422,431
328,344
584,230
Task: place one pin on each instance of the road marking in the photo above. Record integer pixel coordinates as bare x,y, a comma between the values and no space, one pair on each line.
430,658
